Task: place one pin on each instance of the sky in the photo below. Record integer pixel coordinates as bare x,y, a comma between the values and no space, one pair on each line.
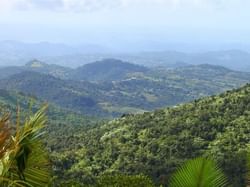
121,22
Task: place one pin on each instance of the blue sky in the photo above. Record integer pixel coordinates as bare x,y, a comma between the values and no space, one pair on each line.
121,21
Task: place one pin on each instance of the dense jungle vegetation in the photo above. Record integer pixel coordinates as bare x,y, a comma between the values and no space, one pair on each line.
156,143
143,149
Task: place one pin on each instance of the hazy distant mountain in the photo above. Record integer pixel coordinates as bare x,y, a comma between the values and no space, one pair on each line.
106,70
127,89
15,52
170,59
209,72
51,69
36,66
233,59
46,87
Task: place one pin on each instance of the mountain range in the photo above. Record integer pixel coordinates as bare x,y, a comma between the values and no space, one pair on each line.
113,87
164,116
17,53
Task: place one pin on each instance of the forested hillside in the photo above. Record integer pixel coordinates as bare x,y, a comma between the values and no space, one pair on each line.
124,93
119,88
66,94
155,143
152,143
106,70
36,66
59,118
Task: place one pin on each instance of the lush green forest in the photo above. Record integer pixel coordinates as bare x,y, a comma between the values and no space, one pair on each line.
9,100
156,143
86,147
145,149
124,93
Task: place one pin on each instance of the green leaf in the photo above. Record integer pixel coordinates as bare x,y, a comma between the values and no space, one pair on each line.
26,157
200,172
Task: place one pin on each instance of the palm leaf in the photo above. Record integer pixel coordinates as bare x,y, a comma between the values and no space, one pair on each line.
27,160
200,172
4,135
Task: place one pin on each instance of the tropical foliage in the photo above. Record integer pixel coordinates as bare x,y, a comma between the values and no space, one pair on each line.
127,149
156,143
124,181
199,172
23,159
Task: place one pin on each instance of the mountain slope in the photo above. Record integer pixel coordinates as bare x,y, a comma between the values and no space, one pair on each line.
15,52
9,100
106,70
233,59
50,69
156,143
137,92
63,93
36,66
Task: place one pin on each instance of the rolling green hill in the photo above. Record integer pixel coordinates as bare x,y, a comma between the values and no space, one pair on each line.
59,118
62,123
151,143
136,92
50,69
60,92
155,143
36,66
106,70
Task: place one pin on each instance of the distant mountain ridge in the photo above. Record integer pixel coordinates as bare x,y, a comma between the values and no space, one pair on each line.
113,87
16,53
233,59
52,89
36,66
106,70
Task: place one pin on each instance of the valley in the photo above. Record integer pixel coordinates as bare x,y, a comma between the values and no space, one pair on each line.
111,88
112,117
124,93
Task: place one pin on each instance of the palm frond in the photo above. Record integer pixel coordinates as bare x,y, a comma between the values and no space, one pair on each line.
26,160
4,135
200,172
